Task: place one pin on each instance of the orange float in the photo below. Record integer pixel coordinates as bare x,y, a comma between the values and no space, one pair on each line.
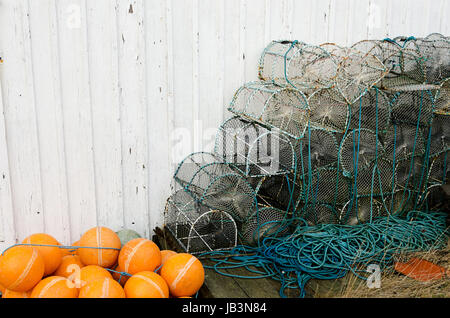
52,255
102,288
165,255
139,255
146,285
92,272
70,265
21,268
54,287
184,274
12,294
106,245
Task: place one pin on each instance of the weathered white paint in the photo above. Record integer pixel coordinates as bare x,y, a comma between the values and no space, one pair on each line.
100,99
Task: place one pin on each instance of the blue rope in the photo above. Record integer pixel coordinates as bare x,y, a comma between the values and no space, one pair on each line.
331,251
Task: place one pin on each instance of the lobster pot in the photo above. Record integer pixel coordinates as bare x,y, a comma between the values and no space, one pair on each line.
435,52
359,149
439,136
442,98
361,210
412,173
402,141
325,185
413,107
375,179
328,111
264,222
399,202
317,149
216,184
253,148
410,62
285,109
371,111
439,172
310,68
357,73
319,213
197,228
297,64
282,191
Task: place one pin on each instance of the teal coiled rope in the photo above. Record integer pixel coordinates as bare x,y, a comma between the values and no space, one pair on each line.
330,251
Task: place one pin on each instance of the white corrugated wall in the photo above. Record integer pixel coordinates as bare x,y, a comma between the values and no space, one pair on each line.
100,99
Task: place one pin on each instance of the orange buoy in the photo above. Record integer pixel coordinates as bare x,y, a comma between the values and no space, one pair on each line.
54,287
92,272
184,274
139,255
102,288
70,264
52,255
12,294
106,245
21,268
165,255
146,285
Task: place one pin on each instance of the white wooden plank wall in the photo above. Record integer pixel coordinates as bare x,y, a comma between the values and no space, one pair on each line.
101,99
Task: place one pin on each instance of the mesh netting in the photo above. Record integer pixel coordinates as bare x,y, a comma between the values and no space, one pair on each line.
359,149
253,148
361,210
328,111
197,228
326,185
283,108
308,68
216,184
319,213
265,222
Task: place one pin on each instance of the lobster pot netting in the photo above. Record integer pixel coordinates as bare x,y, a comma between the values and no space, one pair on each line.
317,149
265,222
410,61
282,191
442,99
197,228
325,185
216,184
253,148
309,68
359,149
403,141
361,210
413,108
319,213
272,106
439,134
371,111
376,178
298,65
328,111
439,172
